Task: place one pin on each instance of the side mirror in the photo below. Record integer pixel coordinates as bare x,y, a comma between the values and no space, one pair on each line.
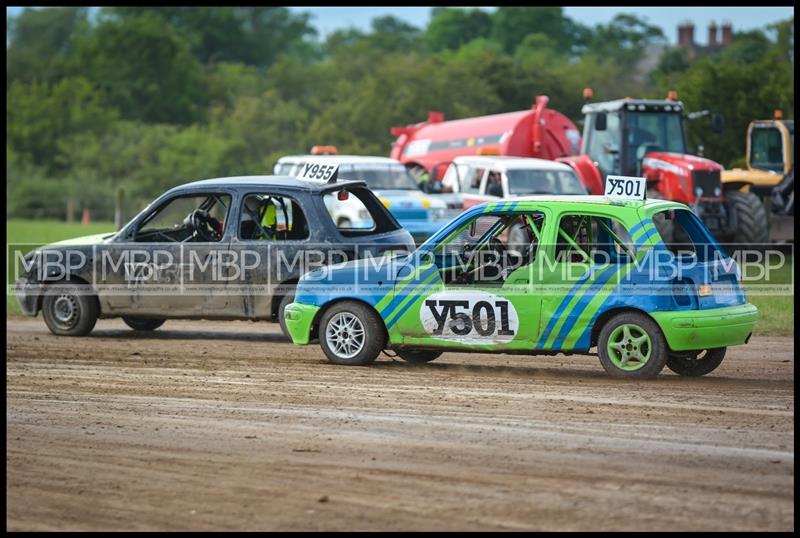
600,121
434,186
717,123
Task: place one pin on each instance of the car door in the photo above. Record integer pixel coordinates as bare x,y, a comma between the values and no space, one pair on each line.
580,275
167,267
436,309
273,253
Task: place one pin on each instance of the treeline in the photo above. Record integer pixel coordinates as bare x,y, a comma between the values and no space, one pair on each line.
148,98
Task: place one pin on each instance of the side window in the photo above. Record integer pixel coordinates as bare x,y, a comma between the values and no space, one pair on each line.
494,184
199,218
266,216
490,248
468,234
471,180
600,239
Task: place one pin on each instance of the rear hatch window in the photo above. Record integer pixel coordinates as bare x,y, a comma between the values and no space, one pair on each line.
356,211
703,275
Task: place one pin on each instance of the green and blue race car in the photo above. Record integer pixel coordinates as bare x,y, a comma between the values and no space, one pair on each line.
539,275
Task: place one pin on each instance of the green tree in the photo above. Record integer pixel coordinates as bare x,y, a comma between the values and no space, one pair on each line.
450,28
510,25
624,39
741,92
144,68
38,40
40,115
251,35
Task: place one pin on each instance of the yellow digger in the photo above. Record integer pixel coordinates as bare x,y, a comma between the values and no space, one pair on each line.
769,173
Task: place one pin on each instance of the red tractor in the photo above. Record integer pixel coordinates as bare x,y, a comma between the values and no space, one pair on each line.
645,137
539,132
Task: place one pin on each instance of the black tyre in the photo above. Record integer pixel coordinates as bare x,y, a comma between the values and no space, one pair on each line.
631,346
281,317
666,228
351,333
749,217
696,363
69,309
143,324
419,356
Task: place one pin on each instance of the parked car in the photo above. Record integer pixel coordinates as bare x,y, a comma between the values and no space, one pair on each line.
479,179
226,248
592,271
420,213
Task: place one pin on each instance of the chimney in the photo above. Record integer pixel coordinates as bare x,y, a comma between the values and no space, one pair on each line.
727,34
685,31
712,35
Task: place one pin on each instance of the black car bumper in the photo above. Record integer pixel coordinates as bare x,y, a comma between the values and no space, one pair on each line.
28,294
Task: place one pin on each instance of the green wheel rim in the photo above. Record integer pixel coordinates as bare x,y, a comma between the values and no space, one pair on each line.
629,347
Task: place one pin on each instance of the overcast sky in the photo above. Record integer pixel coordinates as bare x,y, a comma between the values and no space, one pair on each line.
328,19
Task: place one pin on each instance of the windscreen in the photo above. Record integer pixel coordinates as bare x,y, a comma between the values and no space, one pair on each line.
543,182
379,176
766,149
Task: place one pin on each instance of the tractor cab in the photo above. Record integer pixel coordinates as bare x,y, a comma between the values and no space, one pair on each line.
770,145
619,134
646,138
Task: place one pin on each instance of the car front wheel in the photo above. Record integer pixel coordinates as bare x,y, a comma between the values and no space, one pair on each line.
351,333
632,346
69,311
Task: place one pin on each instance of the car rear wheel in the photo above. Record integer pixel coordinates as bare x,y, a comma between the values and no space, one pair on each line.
143,324
69,310
696,363
632,346
351,333
418,356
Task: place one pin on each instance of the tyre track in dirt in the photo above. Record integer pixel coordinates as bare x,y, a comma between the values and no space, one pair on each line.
208,425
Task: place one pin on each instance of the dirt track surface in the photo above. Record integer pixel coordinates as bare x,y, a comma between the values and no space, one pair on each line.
209,425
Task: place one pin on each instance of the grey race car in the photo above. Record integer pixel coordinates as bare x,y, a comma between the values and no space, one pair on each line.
227,248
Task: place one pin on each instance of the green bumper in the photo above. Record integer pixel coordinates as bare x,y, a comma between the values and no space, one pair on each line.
707,329
298,318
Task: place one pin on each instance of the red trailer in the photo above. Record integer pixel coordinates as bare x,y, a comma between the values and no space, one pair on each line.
538,132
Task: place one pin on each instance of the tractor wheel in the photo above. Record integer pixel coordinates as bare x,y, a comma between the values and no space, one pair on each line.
746,209
666,228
